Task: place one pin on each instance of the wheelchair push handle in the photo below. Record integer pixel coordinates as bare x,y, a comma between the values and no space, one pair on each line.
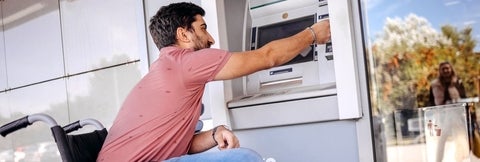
81,123
26,121
72,127
14,126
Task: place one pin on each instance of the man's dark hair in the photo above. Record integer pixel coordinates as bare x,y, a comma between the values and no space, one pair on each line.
164,24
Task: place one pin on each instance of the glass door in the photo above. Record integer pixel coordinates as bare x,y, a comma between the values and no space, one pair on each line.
419,54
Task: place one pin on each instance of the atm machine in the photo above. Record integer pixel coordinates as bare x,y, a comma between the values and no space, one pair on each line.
313,108
307,79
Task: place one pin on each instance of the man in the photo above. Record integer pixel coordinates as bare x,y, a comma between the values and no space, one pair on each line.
447,87
158,117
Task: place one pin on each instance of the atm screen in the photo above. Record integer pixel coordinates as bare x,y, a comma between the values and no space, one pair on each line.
285,29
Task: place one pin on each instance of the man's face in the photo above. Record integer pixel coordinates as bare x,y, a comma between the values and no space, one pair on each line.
201,38
446,70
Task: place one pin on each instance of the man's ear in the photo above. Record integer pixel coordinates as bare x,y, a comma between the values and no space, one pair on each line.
182,35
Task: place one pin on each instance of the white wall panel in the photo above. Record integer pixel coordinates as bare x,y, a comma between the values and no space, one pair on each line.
100,94
95,32
32,41
90,34
4,109
3,66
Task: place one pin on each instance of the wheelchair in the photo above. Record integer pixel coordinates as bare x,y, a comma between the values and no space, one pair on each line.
72,148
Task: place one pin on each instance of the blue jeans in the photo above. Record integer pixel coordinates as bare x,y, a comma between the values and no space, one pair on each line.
228,155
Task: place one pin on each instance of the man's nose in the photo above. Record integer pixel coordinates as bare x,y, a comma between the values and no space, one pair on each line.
211,41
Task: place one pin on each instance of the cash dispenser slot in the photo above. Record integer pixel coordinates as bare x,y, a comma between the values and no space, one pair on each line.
281,83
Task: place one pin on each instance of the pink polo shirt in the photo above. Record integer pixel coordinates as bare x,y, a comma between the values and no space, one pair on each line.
158,118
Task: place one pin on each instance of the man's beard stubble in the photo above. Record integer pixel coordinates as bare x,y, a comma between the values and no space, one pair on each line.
199,45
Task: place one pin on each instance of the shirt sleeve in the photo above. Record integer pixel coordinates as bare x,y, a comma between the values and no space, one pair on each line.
200,67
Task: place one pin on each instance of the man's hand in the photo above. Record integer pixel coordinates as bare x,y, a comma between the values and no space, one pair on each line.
322,31
225,138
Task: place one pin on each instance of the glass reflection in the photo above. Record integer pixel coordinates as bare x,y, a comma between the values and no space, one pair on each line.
407,40
446,134
47,98
6,143
4,109
100,94
95,32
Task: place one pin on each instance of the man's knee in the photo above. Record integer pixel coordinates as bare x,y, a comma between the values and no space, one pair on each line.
247,154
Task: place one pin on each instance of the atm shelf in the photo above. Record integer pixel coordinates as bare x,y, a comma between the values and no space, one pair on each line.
284,96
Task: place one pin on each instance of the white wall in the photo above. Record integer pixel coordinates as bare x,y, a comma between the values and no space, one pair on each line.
70,59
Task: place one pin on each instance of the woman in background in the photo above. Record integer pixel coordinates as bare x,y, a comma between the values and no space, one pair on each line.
447,88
